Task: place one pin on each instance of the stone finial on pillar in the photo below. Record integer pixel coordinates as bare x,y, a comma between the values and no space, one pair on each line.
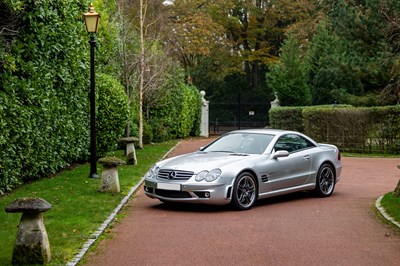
32,244
275,103
109,176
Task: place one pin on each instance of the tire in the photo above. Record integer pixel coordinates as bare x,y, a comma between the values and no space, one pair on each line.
244,191
326,179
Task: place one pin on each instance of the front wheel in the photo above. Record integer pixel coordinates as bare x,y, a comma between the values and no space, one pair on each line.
325,183
244,191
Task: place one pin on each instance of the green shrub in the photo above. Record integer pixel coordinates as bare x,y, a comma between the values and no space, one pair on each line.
189,112
363,130
112,113
43,97
147,133
178,112
289,118
344,127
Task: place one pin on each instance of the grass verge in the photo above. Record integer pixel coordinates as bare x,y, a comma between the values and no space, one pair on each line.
391,205
78,208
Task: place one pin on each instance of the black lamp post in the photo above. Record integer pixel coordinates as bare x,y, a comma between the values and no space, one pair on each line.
92,22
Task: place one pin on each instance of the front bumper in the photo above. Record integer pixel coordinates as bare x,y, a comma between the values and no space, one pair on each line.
209,193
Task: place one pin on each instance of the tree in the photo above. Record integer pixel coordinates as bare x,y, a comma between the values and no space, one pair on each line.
390,9
288,77
365,54
329,75
195,37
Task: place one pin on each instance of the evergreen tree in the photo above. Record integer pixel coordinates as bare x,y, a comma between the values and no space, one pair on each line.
330,77
288,78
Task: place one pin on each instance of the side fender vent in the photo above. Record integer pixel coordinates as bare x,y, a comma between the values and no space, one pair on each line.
264,178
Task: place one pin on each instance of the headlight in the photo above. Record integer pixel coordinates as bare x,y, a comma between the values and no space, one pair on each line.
153,172
213,175
201,176
208,176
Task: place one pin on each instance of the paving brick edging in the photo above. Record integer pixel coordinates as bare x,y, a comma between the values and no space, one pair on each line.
384,213
110,218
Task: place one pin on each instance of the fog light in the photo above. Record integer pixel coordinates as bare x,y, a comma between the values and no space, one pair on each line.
207,194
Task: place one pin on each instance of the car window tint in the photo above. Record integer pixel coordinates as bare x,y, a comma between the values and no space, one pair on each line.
292,143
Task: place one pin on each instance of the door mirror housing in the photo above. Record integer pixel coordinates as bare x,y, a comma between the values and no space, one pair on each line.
280,154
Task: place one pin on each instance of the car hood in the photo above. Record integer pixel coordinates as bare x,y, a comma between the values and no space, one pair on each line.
200,161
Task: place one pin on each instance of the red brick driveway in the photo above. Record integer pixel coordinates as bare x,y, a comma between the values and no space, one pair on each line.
292,230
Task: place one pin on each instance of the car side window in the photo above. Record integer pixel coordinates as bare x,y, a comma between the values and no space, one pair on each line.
292,143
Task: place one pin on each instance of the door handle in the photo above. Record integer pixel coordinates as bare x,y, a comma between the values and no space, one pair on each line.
307,157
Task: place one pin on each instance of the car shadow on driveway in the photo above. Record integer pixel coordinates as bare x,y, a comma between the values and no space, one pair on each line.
192,207
296,196
204,208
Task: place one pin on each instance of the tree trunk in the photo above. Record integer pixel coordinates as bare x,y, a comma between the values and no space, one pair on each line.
141,75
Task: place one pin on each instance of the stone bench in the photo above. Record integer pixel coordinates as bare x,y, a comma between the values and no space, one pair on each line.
130,152
32,243
109,176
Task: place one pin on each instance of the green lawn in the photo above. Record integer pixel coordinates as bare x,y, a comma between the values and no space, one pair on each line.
78,208
391,205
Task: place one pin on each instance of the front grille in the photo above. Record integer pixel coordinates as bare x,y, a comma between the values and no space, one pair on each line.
172,194
174,174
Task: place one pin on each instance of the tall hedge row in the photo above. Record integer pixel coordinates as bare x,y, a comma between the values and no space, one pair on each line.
365,129
44,91
178,114
289,118
112,113
43,95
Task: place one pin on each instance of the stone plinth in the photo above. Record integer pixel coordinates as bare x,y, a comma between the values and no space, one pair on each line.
204,124
130,151
32,244
109,176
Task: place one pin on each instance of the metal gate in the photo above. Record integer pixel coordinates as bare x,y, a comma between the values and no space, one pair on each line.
225,117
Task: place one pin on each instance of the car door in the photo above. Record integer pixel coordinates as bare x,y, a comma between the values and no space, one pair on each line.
295,169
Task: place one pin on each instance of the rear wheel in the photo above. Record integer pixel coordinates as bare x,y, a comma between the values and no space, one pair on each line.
244,191
325,183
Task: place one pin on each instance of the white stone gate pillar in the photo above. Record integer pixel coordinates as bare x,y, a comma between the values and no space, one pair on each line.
204,130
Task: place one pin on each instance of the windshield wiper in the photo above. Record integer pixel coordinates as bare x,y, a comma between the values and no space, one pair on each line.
224,151
239,154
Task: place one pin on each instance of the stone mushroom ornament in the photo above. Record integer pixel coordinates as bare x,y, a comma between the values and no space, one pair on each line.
32,244
130,152
109,177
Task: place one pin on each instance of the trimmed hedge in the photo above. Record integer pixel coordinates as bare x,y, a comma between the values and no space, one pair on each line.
289,118
44,112
112,113
178,114
364,130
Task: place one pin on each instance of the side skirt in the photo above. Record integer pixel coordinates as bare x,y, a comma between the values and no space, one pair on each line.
274,193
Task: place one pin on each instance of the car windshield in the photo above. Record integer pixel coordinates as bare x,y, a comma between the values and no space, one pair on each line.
250,143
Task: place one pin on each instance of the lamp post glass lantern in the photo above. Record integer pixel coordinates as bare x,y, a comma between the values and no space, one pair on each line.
92,21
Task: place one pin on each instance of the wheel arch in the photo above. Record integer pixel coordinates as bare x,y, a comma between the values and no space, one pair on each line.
253,173
331,165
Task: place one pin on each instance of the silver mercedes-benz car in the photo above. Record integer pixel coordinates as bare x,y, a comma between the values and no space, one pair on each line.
245,165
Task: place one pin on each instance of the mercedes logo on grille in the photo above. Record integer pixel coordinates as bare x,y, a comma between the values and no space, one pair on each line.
172,175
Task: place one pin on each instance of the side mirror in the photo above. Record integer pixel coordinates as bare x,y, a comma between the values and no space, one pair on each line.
280,154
